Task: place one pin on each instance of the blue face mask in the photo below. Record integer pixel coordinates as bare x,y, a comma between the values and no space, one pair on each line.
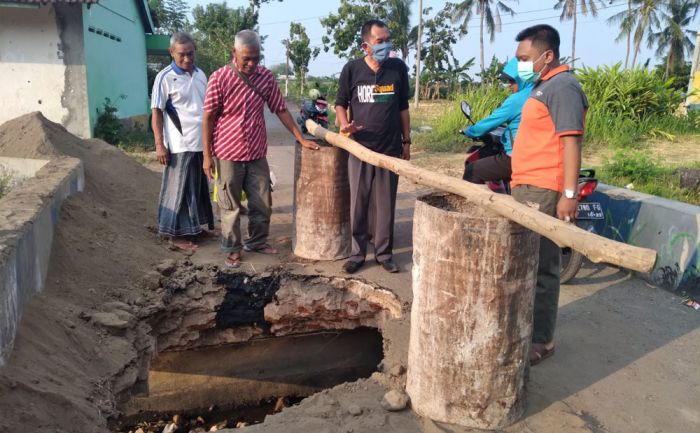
380,52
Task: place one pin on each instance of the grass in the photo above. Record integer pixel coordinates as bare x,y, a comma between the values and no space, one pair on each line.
445,136
6,181
643,172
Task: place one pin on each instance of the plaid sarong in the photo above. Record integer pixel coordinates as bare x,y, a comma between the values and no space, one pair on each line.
184,205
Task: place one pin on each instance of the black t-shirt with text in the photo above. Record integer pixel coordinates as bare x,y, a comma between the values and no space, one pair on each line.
375,101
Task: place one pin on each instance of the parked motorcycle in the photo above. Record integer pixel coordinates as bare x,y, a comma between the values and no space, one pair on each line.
316,110
587,212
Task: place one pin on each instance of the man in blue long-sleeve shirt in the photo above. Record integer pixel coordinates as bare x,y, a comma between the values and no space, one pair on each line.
498,167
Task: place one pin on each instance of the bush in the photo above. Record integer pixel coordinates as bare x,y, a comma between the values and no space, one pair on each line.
631,166
108,126
635,93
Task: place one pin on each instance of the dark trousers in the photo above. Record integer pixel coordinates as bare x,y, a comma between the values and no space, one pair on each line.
492,168
368,181
547,289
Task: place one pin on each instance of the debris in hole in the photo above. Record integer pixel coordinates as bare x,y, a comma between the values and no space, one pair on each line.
215,419
245,300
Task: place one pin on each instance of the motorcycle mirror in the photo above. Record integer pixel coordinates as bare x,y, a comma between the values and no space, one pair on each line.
467,110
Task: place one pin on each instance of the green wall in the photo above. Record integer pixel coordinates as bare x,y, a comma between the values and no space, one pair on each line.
116,59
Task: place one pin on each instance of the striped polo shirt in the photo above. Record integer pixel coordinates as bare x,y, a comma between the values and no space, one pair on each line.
556,108
180,96
239,132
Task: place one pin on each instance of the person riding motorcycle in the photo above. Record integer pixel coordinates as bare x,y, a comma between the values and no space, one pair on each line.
498,167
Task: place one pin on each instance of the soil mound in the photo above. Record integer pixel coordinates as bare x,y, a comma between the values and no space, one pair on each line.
54,380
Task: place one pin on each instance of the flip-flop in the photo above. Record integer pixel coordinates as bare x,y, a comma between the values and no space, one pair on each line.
264,249
183,246
538,353
233,260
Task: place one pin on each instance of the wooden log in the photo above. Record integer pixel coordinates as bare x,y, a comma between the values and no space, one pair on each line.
321,227
471,318
596,248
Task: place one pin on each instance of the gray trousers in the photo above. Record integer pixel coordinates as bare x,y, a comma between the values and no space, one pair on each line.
370,182
253,177
547,289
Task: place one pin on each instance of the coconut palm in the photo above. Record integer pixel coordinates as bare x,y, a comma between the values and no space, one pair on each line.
647,16
673,39
489,12
399,22
569,11
627,20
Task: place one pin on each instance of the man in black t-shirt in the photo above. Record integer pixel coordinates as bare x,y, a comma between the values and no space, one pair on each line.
374,91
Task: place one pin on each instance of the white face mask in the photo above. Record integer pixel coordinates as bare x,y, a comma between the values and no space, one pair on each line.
526,70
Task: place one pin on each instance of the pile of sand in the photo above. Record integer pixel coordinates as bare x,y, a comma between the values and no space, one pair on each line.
55,379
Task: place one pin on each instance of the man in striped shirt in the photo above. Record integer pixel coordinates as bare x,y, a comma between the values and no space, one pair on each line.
234,133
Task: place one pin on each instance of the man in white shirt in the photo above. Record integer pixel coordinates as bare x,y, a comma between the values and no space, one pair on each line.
177,101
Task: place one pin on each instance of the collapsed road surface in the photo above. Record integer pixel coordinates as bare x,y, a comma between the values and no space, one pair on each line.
626,356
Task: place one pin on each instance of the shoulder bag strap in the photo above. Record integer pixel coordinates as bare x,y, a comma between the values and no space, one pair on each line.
247,81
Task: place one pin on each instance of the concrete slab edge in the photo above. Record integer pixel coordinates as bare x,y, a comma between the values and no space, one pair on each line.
670,227
28,214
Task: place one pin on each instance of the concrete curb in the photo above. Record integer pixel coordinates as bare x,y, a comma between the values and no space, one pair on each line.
670,227
28,214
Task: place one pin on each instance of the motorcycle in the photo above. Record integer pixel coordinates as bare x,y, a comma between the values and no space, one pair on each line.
316,110
587,211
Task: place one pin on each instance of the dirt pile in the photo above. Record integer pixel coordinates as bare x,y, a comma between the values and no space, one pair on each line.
54,380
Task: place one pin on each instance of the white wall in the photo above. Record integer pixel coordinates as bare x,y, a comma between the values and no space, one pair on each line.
40,72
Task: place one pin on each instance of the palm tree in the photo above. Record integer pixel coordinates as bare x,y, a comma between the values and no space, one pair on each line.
399,21
569,11
626,20
673,39
487,13
647,15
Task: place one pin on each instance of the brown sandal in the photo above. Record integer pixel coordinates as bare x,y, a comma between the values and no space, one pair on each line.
539,352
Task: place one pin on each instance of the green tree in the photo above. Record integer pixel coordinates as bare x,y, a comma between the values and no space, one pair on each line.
489,12
626,20
647,13
343,28
673,38
440,70
300,52
399,22
570,10
215,27
169,16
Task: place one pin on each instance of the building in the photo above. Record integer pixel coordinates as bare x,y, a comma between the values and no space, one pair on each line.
64,57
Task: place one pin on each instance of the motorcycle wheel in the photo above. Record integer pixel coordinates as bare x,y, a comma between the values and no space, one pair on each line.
571,261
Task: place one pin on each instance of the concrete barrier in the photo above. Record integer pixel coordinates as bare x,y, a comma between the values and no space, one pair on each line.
669,227
28,214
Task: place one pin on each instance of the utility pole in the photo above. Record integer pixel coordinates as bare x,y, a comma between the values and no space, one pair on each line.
416,95
286,70
693,101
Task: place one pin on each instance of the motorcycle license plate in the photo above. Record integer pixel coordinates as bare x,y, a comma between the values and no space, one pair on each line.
590,211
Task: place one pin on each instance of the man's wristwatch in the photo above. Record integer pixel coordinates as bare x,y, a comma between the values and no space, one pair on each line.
569,193
406,141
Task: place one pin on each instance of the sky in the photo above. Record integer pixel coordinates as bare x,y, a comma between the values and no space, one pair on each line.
595,39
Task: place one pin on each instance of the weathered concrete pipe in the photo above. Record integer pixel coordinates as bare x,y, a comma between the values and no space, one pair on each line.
474,276
321,227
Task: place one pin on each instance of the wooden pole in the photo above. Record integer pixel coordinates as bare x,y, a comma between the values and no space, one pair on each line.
416,95
596,248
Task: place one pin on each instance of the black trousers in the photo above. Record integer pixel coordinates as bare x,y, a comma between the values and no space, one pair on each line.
492,168
368,182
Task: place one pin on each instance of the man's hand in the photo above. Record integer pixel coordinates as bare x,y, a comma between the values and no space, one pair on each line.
208,167
566,209
351,128
406,154
162,154
308,144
